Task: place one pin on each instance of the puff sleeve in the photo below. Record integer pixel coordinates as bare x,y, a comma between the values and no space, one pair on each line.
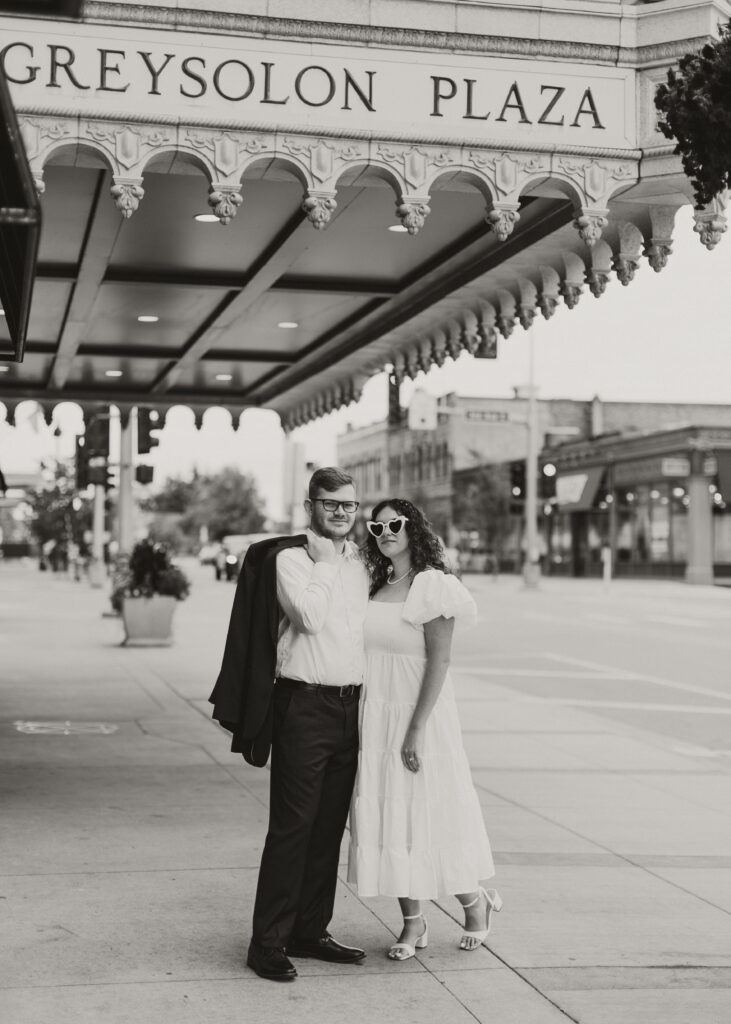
434,593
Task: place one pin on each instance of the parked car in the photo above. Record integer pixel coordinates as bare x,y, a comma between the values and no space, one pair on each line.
233,551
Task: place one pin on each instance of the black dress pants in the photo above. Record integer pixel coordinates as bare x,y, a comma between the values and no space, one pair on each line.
314,760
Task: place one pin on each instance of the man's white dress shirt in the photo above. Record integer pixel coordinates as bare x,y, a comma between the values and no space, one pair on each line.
321,636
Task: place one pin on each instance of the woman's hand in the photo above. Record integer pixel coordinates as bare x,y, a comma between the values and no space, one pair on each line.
411,748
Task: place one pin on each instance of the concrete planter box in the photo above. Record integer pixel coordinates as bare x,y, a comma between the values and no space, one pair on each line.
148,621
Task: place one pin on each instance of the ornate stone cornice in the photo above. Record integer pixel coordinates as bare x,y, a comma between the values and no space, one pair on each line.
368,35
69,113
228,23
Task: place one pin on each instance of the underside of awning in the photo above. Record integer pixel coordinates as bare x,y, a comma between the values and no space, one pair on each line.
20,221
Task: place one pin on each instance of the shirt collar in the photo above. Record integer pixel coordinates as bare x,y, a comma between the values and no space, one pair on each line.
351,551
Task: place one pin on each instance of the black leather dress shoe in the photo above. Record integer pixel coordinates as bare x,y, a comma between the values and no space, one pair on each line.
325,948
270,963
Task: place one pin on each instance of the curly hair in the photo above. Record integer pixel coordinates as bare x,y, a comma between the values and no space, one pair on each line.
424,545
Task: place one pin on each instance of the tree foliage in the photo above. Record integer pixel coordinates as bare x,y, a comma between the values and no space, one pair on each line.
225,502
695,110
481,502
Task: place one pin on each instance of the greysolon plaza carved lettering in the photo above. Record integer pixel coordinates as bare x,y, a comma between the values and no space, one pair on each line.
268,82
232,79
547,107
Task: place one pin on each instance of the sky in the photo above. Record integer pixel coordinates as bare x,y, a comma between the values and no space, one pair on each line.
664,338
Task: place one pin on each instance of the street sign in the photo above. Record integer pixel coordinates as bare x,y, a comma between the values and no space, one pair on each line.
487,415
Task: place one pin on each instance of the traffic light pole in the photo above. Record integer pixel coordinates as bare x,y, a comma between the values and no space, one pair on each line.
96,569
531,564
126,471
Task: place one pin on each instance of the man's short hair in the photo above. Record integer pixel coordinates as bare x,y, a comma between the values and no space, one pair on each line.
329,478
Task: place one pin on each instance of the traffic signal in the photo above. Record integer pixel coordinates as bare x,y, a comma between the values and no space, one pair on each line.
146,423
82,464
517,486
144,474
96,439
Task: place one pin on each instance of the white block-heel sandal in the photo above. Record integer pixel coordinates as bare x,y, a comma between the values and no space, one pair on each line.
493,901
402,950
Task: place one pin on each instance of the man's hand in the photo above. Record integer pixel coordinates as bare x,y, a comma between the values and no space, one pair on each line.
320,549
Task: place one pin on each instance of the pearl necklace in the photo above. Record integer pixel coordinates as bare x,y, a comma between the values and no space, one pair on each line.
392,583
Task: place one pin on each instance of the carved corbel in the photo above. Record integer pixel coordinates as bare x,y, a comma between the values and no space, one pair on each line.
487,349
224,200
501,218
526,315
505,324
127,193
439,350
399,368
426,355
412,211
547,303
660,244
413,363
571,292
454,341
597,281
711,222
590,223
319,206
38,181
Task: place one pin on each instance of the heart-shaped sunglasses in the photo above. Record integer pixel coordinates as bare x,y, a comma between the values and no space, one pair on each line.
394,526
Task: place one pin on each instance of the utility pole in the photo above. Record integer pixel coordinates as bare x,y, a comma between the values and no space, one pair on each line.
531,564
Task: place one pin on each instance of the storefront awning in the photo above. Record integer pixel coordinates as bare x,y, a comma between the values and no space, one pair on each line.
575,492
20,223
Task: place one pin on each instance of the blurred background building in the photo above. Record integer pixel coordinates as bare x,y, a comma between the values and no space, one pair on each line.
649,481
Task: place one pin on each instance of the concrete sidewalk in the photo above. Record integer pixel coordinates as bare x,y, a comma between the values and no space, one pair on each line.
128,855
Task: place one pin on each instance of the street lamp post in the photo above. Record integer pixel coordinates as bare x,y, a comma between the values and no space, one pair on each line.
531,564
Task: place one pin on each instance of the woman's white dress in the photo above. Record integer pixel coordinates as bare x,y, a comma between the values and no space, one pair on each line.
413,834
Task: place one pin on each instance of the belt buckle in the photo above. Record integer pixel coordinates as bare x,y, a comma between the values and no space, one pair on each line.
347,691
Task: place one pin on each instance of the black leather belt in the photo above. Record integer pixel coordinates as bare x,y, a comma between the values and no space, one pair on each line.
336,691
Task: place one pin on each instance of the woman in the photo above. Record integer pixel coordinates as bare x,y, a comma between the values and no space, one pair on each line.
416,824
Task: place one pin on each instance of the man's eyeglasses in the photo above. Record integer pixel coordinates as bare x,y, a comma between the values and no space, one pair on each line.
393,526
331,505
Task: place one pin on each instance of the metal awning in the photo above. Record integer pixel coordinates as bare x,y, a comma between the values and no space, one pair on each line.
20,223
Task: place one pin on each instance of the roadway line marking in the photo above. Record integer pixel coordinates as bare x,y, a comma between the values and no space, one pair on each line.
545,673
701,691
628,705
673,620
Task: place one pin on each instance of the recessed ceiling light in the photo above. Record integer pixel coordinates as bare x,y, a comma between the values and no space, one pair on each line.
4,369
148,319
206,218
112,373
287,325
397,228
224,376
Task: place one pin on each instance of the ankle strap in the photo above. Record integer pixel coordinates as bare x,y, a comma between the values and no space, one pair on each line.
466,906
412,917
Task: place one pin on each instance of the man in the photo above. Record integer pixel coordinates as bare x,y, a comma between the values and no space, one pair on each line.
322,589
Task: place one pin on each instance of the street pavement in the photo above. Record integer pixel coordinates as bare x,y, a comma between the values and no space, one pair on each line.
597,720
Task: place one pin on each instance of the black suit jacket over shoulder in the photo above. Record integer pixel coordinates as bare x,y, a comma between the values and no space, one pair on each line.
242,696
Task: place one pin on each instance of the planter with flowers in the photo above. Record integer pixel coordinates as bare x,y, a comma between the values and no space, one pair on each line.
146,587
